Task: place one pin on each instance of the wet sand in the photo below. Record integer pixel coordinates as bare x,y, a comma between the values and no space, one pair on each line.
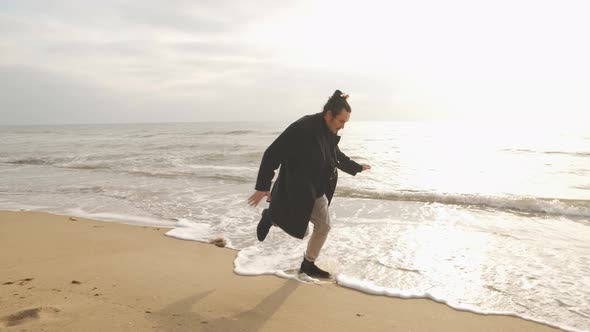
59,273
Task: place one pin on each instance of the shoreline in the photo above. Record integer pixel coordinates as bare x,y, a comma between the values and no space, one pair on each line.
94,276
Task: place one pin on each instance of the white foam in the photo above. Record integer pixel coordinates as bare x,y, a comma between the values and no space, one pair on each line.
122,218
264,264
10,206
223,168
195,231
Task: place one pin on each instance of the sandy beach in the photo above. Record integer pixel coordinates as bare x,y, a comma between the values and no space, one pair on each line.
59,273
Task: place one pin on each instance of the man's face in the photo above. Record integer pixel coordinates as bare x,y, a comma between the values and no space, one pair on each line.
336,123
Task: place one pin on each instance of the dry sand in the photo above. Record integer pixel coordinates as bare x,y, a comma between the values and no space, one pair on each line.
58,274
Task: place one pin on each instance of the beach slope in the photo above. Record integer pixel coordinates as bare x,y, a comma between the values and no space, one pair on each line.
72,274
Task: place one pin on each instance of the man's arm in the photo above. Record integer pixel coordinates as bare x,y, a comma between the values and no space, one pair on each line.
348,165
280,150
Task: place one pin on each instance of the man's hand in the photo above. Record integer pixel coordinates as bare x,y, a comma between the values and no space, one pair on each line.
257,197
366,167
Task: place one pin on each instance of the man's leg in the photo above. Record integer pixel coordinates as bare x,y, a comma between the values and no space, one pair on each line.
320,218
321,227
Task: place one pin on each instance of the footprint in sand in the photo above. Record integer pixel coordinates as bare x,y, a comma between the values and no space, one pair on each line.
28,315
25,281
21,282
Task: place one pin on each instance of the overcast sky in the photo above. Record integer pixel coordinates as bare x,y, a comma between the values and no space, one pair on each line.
174,61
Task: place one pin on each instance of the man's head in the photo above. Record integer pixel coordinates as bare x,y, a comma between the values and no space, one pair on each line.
337,111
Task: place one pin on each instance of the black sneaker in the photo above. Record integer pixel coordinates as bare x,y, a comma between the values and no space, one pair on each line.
312,270
263,226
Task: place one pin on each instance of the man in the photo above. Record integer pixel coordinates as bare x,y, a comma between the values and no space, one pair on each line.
308,154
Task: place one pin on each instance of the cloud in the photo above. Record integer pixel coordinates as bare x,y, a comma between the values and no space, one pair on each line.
220,60
124,49
34,96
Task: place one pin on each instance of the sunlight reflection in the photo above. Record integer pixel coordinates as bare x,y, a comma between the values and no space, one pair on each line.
450,259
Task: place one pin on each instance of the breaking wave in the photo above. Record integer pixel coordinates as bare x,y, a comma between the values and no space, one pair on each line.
521,204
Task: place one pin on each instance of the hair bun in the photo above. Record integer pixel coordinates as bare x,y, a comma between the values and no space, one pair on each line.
336,103
339,94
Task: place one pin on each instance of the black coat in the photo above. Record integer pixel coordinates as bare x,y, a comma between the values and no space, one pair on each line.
300,151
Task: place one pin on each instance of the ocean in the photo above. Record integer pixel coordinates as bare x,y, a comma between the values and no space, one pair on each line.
490,218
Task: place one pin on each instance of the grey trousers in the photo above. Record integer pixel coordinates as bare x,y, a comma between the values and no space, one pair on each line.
320,218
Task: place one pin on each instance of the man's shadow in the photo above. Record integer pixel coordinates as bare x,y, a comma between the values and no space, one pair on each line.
178,316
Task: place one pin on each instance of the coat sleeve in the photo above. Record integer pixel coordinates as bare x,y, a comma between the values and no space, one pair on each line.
346,164
280,150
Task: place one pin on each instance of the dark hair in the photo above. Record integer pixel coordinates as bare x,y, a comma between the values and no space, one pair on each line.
336,103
